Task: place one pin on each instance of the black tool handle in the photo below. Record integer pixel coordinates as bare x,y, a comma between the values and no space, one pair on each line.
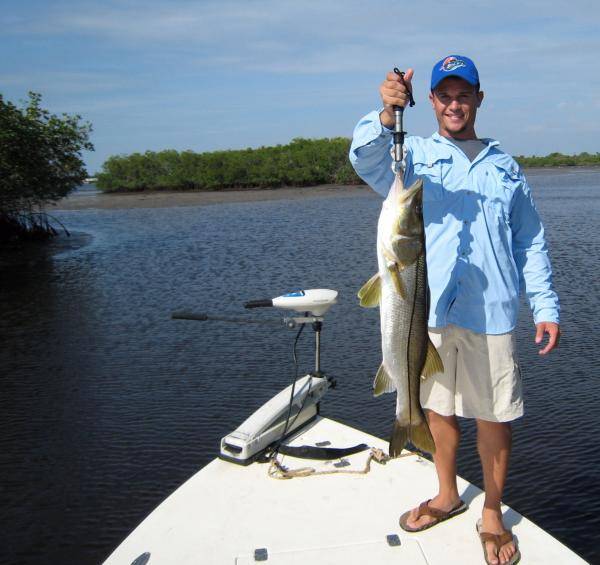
185,315
267,302
411,100
204,317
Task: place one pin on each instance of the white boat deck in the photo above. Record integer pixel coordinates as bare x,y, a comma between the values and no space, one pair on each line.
226,512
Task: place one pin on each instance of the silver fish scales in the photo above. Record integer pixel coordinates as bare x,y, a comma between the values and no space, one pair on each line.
399,288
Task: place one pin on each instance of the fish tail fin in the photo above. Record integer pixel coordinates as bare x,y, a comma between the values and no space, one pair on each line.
383,382
399,439
418,434
433,362
370,293
421,438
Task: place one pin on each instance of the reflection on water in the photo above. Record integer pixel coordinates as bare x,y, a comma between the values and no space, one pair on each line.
108,405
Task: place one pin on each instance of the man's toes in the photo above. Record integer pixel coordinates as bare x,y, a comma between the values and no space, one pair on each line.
491,553
410,521
506,553
414,521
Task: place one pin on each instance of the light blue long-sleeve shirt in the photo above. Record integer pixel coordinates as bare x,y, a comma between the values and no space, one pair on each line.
484,237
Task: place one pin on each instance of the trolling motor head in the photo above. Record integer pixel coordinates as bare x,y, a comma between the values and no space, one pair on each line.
316,301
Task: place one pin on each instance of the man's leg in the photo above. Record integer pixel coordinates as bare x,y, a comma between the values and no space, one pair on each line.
494,440
446,434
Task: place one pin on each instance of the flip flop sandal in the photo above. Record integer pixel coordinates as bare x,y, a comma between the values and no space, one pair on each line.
498,540
438,515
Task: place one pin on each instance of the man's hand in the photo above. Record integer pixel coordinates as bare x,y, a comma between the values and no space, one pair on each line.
553,331
394,93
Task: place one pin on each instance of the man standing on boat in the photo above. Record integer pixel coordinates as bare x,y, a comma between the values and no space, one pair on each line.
484,241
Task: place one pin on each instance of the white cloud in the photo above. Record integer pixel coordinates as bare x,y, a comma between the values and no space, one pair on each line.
241,69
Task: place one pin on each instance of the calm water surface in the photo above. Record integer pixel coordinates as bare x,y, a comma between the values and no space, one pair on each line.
108,405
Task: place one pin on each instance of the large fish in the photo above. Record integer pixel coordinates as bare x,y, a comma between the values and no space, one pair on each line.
400,290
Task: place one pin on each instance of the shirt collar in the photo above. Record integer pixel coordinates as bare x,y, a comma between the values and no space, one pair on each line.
487,140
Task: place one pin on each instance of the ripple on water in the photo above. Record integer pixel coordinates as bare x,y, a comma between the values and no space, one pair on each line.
108,405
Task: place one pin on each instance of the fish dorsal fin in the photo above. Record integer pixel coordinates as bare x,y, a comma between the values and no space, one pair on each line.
383,382
370,292
433,363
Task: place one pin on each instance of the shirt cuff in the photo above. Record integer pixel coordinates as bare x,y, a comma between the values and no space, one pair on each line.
546,315
384,129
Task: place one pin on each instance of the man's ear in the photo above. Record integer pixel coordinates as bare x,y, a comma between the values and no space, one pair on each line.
479,98
431,98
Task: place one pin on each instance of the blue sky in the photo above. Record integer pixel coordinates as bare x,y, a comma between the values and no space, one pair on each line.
209,75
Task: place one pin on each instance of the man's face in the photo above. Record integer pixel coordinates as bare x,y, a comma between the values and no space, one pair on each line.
455,103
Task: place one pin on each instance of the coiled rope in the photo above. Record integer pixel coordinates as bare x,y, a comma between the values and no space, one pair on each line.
280,471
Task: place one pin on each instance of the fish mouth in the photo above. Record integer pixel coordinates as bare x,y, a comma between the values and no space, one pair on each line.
409,192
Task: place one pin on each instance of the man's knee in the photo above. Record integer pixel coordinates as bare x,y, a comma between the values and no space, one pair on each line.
494,427
436,418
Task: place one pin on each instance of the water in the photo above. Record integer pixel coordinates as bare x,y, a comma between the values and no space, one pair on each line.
108,405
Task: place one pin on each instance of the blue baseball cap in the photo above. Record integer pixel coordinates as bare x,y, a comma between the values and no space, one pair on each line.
454,66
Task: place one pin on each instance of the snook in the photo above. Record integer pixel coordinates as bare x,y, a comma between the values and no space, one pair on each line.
400,290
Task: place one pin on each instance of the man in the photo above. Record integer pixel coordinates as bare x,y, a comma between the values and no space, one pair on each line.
484,242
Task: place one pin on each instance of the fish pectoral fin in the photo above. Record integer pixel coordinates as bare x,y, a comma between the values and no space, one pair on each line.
370,293
407,249
433,362
398,284
421,438
383,382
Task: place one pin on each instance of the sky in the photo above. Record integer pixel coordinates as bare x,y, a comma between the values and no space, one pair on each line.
229,74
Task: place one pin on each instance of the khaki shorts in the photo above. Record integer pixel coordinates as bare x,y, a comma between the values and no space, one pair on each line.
481,376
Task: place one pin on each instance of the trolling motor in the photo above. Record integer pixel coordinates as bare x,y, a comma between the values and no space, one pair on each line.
314,301
398,150
297,404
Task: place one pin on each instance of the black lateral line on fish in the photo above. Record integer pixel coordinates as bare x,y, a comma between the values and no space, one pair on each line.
410,331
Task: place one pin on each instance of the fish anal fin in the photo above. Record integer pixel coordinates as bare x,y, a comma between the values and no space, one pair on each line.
370,293
399,439
433,362
421,438
382,383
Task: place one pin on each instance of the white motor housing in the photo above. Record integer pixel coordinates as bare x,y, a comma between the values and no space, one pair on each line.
315,300
267,424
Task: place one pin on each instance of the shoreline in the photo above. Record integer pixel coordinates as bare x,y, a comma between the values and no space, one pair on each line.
184,198
163,199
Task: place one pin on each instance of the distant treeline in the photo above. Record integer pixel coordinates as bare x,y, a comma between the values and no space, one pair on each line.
303,162
560,160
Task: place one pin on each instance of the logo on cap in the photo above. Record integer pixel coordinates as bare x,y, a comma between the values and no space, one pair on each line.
451,64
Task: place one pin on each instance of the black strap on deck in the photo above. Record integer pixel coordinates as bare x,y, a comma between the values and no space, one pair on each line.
321,453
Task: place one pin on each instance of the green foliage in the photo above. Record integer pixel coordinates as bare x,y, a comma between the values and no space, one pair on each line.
40,162
560,160
303,162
